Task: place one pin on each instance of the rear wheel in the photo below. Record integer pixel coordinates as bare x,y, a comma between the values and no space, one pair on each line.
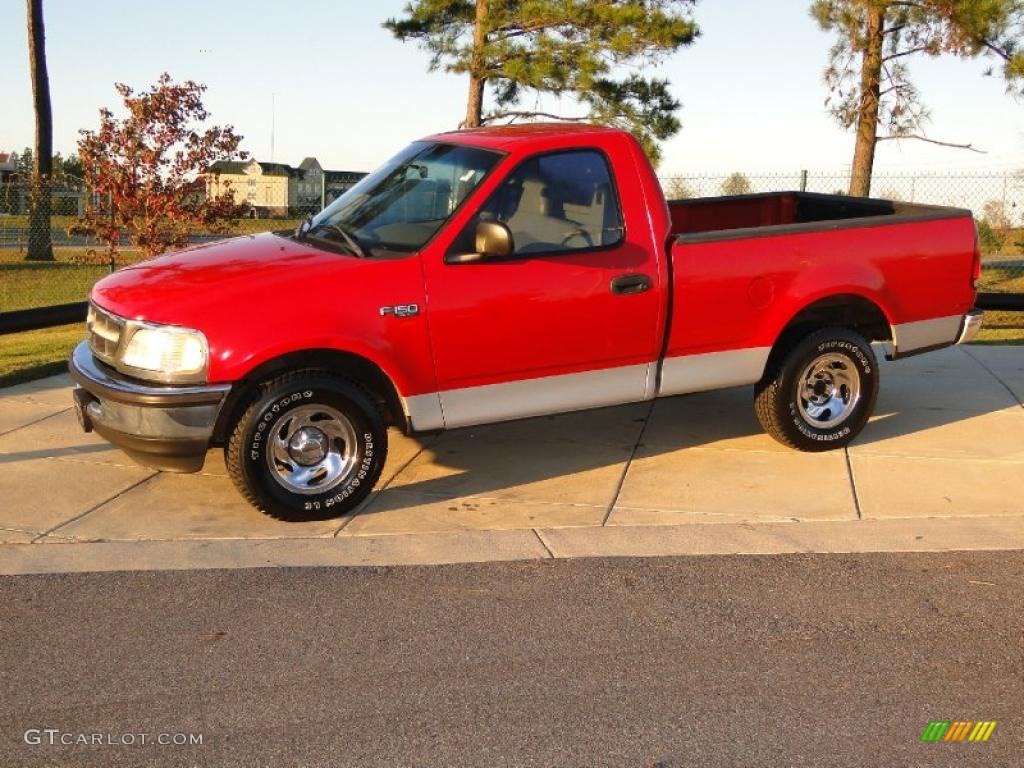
820,393
310,447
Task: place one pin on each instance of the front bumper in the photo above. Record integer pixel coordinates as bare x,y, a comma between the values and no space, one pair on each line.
167,428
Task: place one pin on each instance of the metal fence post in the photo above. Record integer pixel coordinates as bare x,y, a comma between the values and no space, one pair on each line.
803,181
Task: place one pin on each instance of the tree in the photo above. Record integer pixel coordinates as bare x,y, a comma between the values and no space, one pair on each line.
65,168
994,226
870,88
146,169
737,184
557,47
23,164
40,248
676,188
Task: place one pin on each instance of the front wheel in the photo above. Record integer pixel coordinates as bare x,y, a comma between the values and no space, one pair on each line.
819,394
310,447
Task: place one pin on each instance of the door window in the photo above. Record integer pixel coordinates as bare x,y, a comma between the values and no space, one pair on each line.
555,203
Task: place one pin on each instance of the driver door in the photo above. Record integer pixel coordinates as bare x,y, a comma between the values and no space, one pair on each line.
569,320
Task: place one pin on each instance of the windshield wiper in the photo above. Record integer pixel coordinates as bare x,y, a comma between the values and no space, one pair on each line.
304,227
350,241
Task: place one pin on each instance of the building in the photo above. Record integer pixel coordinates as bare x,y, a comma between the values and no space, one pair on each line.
8,166
276,189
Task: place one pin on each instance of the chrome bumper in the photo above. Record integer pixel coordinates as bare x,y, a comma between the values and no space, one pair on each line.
971,326
164,427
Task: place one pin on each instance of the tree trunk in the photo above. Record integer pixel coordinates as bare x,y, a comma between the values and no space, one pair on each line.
39,246
867,119
475,103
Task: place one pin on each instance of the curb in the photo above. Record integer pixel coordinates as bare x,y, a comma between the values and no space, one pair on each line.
438,548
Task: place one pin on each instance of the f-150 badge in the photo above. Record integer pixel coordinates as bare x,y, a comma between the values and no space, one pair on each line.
401,310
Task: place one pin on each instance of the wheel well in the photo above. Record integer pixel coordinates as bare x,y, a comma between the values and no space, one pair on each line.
363,372
846,310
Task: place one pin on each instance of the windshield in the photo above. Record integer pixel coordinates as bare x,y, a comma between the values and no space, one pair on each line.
402,204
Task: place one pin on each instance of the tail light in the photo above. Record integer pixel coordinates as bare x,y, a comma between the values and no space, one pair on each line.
976,265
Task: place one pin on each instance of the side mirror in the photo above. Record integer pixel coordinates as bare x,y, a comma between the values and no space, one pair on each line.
493,241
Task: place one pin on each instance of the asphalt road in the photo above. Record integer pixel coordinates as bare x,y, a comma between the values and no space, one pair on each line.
801,660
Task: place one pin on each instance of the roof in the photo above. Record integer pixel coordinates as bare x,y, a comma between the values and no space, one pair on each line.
238,167
343,176
504,135
228,166
279,169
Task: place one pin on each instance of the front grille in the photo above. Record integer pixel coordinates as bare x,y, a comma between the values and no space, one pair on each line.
104,333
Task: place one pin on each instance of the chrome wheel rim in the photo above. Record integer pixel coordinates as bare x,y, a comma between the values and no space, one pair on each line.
828,390
312,449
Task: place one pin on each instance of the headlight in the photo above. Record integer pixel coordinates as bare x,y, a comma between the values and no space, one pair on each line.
165,353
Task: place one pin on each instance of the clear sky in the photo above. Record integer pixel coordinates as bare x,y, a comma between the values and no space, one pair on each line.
349,94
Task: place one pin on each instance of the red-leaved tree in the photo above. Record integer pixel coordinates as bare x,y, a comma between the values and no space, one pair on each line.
145,170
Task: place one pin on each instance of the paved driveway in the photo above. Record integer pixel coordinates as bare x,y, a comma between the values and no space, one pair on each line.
947,443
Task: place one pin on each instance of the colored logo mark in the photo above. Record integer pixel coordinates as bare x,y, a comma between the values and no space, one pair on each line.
958,730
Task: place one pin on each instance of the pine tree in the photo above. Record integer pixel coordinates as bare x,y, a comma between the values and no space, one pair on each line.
595,52
870,89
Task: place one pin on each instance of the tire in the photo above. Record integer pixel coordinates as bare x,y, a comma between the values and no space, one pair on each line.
819,394
311,446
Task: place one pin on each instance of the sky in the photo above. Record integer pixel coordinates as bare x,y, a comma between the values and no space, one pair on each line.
337,86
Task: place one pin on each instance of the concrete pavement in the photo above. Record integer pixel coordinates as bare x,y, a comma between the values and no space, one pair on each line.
941,466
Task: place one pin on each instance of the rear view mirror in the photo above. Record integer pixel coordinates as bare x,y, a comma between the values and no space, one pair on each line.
493,241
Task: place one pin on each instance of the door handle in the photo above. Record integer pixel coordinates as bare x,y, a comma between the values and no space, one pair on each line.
630,283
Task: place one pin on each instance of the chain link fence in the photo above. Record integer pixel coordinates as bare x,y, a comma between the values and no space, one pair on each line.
79,259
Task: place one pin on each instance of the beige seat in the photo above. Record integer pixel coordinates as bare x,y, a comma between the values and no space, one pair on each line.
535,224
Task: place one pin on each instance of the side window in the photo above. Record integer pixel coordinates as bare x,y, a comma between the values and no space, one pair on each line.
557,202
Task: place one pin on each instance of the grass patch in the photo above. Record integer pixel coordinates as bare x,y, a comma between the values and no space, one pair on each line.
34,284
35,354
237,226
1002,280
1001,328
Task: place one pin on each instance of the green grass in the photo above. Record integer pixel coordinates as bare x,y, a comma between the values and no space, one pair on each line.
1001,328
31,284
20,221
35,354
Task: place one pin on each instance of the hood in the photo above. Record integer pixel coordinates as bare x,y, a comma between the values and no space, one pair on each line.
180,288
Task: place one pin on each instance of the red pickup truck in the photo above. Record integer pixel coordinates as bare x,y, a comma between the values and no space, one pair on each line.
502,273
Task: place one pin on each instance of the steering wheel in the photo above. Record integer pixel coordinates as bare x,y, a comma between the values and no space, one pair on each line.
578,232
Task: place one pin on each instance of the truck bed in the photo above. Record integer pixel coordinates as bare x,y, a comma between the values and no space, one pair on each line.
775,213
743,266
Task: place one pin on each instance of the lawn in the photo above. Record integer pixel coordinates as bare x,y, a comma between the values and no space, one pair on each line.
35,354
1001,328
20,222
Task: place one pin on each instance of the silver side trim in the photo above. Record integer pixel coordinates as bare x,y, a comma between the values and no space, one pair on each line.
579,391
712,370
548,394
922,334
424,412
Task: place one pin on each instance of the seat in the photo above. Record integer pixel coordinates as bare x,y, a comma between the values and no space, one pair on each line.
535,224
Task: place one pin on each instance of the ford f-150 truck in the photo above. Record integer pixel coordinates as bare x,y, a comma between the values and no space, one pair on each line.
502,273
